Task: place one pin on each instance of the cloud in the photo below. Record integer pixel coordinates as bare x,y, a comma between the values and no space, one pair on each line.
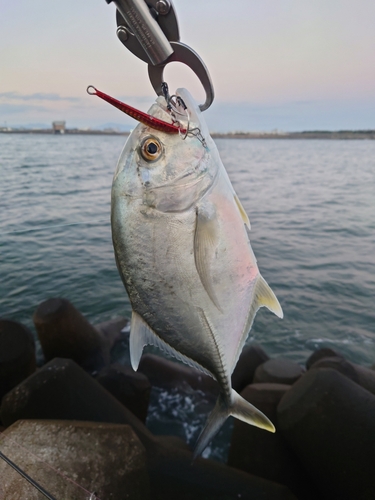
13,109
38,96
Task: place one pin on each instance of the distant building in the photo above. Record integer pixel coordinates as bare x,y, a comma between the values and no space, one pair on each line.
58,127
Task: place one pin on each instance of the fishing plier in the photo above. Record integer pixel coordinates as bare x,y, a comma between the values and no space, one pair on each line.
149,29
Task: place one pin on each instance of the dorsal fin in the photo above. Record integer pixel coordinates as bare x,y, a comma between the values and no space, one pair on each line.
262,296
244,216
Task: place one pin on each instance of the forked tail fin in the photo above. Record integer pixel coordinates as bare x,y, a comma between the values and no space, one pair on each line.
239,408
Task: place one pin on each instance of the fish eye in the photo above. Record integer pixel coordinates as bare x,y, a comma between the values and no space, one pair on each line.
151,149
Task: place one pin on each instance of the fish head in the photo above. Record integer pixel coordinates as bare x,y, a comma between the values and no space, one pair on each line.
168,171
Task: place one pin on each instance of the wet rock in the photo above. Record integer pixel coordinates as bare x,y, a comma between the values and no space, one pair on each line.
323,352
251,357
329,421
131,388
362,376
174,475
112,329
167,374
17,354
265,454
86,457
278,371
62,390
173,442
337,363
63,332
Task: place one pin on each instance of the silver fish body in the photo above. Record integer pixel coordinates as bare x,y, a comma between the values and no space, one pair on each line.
181,240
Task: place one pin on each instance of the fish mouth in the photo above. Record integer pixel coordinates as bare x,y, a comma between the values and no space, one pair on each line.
145,118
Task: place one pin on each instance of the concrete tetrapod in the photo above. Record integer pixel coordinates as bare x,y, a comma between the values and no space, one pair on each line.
63,390
71,459
251,357
359,374
263,453
131,388
278,371
329,421
169,374
17,354
63,332
323,352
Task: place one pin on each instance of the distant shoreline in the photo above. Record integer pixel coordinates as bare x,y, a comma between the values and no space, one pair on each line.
314,134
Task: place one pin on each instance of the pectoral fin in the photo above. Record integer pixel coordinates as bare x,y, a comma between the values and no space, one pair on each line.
244,216
206,239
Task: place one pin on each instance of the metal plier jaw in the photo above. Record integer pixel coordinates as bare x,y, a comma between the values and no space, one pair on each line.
149,29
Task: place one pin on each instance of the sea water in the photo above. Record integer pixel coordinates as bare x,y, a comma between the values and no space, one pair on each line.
311,205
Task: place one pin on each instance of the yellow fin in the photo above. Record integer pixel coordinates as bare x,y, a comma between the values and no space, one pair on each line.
244,216
264,296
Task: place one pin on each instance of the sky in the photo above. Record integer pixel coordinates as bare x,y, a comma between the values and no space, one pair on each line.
275,64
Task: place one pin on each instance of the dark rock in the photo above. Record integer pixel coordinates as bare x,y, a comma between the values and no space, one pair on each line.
329,421
167,374
265,454
174,475
17,354
366,377
251,357
107,459
323,352
112,329
131,388
63,390
174,442
64,333
362,376
337,363
278,371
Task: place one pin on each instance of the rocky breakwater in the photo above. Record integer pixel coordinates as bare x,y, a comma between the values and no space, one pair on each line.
324,445
77,424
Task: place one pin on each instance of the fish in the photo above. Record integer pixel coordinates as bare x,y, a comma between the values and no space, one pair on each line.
182,247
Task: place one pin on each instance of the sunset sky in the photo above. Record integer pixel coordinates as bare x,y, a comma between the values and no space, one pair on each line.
275,64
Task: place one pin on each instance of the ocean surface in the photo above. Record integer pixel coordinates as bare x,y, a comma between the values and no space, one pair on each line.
311,205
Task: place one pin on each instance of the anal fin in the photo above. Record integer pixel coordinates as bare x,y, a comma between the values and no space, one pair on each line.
141,335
